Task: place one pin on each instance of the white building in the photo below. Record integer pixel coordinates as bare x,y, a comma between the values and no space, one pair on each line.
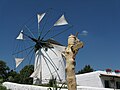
99,79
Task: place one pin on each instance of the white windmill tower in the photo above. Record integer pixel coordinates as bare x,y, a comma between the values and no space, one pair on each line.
48,52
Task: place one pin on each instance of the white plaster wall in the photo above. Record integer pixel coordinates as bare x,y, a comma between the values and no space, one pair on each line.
93,88
14,86
46,62
89,79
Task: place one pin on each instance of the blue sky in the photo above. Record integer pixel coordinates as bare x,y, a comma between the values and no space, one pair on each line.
100,18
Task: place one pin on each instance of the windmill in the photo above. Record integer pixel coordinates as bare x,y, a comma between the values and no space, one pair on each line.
47,52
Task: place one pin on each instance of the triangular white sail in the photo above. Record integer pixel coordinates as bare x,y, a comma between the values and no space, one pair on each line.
36,73
61,21
40,17
20,36
18,61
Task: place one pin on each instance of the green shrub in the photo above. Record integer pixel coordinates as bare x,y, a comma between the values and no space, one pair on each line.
3,87
1,80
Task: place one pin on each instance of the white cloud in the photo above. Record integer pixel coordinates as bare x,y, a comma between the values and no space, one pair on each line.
84,32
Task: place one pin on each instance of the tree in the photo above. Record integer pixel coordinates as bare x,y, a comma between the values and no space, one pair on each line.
4,69
11,75
17,78
25,75
3,87
74,44
86,69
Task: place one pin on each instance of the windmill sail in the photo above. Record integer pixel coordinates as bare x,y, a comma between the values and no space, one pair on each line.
36,73
20,36
48,59
37,68
61,21
18,61
40,17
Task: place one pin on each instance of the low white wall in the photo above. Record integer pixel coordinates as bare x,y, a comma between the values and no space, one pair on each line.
14,86
93,88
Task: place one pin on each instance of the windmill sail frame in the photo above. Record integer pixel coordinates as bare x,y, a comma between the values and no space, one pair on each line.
48,55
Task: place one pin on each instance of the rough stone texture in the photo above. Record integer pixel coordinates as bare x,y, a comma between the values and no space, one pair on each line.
74,44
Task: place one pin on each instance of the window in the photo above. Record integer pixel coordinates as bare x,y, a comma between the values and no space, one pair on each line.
107,84
118,85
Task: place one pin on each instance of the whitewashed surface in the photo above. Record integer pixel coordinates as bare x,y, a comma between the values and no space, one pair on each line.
14,86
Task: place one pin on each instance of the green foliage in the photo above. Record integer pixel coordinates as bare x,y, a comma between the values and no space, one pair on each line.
10,79
12,76
86,69
4,69
12,73
24,75
1,80
3,87
53,83
17,78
